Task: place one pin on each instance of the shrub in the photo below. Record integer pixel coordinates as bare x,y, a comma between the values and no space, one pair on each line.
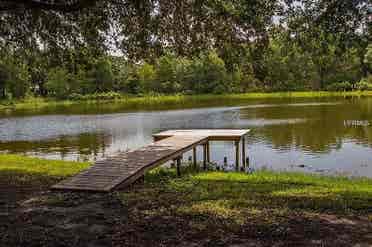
365,84
76,96
95,96
340,86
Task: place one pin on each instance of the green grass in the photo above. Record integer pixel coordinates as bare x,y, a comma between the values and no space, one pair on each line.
52,168
21,176
196,209
218,193
235,194
271,207
133,102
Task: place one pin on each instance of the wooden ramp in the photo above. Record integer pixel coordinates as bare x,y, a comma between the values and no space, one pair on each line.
125,168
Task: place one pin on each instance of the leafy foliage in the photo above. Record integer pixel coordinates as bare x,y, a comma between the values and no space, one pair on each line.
188,47
340,86
368,58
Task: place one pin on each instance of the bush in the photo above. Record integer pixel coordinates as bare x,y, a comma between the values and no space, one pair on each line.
340,86
365,84
96,96
76,96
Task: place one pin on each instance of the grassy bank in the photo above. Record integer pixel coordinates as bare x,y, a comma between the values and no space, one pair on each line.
22,176
317,192
134,102
199,209
52,168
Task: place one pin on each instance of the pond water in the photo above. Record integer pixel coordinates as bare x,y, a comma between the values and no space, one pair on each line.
327,136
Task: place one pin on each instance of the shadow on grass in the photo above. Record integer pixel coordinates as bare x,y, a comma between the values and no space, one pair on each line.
286,191
222,209
16,185
197,209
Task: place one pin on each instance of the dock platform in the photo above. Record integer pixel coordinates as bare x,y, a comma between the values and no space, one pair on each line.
125,168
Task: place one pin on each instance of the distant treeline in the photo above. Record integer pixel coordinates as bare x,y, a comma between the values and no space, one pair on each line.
185,47
287,68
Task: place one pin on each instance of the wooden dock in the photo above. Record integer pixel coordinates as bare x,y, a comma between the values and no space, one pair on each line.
125,168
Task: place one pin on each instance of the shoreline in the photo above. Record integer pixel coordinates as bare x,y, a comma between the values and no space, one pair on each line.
136,101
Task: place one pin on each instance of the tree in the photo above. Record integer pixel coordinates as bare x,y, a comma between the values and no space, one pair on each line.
368,58
3,80
320,23
102,75
58,83
146,77
59,5
207,74
167,78
14,77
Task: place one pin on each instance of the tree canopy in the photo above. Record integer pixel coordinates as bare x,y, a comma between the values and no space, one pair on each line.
270,41
58,5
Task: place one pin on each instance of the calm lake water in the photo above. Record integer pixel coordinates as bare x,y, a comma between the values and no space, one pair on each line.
327,136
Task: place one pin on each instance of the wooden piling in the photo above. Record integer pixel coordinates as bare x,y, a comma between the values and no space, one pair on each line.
243,153
224,163
237,159
178,162
194,157
208,153
205,157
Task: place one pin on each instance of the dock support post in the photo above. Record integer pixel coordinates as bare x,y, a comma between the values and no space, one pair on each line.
205,157
208,153
243,153
237,159
194,157
178,162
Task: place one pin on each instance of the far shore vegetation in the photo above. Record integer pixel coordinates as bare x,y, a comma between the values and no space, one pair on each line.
263,207
127,101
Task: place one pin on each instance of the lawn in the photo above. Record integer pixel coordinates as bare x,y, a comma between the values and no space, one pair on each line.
22,176
198,209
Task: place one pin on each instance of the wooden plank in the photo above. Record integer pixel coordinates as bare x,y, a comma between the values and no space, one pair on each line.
213,134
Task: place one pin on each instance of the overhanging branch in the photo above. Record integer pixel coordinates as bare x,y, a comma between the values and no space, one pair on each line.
57,5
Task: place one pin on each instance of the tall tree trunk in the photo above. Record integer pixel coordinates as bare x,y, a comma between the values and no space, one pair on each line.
3,93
